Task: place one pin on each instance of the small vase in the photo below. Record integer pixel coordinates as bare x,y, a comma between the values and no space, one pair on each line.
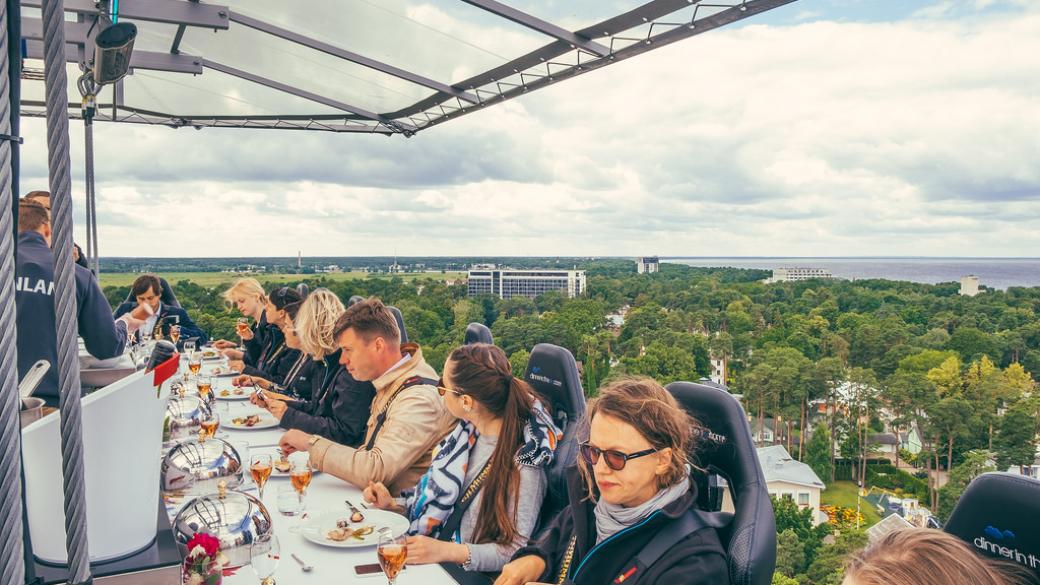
212,575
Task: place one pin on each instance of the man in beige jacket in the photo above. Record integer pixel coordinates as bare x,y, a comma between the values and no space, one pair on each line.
408,416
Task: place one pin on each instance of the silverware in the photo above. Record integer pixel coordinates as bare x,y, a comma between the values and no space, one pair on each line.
356,515
303,566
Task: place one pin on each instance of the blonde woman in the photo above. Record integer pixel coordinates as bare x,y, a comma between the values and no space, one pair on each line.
339,407
924,556
249,298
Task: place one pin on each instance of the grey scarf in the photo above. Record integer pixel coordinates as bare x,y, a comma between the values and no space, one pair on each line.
612,518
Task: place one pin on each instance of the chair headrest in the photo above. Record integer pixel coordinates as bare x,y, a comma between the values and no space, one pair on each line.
165,295
997,515
355,300
303,289
400,323
552,371
478,333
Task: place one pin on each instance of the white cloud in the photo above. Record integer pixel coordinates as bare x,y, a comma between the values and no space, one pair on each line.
820,138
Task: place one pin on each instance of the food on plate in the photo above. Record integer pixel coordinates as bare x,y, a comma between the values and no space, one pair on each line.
246,421
225,393
217,371
239,392
210,353
283,464
342,532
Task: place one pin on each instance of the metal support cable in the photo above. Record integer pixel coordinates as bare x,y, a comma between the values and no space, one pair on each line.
59,167
12,560
92,244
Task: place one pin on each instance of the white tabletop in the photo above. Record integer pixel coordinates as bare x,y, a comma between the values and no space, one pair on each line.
332,566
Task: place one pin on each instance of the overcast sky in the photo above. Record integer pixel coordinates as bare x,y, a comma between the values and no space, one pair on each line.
825,128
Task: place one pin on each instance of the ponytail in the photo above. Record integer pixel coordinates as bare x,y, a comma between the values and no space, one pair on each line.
483,372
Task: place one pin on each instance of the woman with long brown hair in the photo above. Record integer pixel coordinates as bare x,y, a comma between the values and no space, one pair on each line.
924,556
633,481
479,501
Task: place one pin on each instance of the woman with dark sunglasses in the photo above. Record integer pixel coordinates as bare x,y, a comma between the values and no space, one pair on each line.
632,481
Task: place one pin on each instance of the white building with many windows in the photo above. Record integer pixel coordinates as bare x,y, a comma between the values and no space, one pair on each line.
528,283
648,264
791,274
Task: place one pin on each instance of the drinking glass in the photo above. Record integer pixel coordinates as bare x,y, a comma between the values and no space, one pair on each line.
301,478
189,346
241,327
205,385
157,334
210,422
264,554
260,466
195,362
175,334
393,552
288,500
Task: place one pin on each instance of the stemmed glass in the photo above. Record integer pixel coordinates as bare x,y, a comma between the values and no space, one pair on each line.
205,386
189,346
195,362
175,334
393,552
261,466
301,478
241,328
264,554
210,422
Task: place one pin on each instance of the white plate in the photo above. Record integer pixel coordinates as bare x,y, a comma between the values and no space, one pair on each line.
231,394
275,454
266,422
316,528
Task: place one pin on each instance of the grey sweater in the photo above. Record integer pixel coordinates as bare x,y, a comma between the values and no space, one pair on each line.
490,557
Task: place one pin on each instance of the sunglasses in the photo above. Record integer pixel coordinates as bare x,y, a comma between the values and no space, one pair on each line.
442,389
615,460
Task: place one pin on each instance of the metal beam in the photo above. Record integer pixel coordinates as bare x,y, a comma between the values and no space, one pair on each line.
165,11
335,51
542,26
285,88
149,60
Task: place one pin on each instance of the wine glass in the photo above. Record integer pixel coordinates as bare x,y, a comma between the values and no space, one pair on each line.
175,334
241,328
260,466
189,346
301,478
195,362
393,552
264,554
209,424
205,386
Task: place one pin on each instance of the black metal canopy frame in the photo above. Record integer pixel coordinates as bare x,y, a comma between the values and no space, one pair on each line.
568,54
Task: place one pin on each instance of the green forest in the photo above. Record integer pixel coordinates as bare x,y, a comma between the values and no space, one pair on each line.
874,353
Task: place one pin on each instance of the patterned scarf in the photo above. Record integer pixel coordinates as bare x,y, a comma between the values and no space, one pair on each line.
432,501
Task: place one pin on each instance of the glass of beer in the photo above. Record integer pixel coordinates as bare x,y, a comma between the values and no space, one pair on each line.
175,334
195,362
209,426
205,385
260,466
301,478
393,552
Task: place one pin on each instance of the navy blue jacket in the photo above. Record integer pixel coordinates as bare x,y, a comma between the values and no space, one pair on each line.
37,332
189,329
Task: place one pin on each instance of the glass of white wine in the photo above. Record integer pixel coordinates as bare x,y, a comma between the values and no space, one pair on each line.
264,555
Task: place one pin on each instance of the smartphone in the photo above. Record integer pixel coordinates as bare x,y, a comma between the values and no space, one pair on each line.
373,569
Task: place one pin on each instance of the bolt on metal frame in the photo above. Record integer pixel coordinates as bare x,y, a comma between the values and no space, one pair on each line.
568,54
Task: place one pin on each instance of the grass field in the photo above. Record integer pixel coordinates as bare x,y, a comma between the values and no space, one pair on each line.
845,493
212,279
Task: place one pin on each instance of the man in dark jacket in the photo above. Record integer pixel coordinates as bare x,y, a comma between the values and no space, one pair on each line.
103,337
697,559
147,290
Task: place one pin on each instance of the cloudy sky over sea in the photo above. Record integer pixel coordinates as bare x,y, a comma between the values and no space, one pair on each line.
826,127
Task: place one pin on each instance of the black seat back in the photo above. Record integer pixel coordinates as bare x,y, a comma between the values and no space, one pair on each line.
303,289
478,333
400,323
997,515
355,300
166,295
725,449
552,371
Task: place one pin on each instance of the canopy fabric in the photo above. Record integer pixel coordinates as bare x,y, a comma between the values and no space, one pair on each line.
375,66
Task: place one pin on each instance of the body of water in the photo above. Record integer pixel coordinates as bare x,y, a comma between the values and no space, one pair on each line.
996,273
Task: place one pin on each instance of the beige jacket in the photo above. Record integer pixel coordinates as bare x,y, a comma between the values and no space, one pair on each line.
416,421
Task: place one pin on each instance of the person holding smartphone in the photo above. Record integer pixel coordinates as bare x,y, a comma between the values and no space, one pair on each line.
479,501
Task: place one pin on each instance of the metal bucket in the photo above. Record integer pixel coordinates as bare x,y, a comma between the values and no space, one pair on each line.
32,410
